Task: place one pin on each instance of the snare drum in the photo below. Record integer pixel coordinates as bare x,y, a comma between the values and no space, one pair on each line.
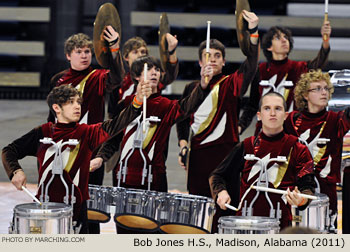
99,203
48,218
186,214
136,209
248,225
315,216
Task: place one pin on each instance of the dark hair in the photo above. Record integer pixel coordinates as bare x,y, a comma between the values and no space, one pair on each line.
215,44
267,39
273,94
138,65
61,95
79,40
133,43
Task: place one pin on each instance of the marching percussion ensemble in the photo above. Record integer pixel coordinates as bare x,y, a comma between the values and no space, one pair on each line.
283,176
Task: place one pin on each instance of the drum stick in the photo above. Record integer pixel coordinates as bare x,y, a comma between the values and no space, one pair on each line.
231,207
144,99
207,50
31,195
267,189
325,37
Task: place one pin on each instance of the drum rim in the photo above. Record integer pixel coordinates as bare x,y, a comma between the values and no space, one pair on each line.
274,221
65,209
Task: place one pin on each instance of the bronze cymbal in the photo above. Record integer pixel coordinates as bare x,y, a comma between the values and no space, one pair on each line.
242,25
106,15
164,28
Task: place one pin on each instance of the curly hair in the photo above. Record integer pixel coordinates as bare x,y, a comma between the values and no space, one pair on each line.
267,40
61,95
303,86
132,44
79,40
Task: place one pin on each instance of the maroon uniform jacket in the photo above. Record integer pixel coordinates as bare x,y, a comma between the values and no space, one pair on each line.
92,84
235,171
291,71
127,87
327,157
275,72
215,123
76,159
156,138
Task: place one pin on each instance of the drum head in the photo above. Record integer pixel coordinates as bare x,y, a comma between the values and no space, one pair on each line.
136,222
173,228
98,216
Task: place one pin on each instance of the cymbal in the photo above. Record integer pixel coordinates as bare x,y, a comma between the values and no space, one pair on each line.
242,25
164,28
106,15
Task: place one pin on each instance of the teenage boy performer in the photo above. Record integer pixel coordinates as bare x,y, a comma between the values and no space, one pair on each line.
65,103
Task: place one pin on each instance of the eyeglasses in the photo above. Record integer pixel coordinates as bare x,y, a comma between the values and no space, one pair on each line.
320,89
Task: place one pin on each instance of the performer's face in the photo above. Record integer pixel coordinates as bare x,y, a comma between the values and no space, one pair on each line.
272,114
216,61
70,111
80,58
279,45
153,76
135,54
317,96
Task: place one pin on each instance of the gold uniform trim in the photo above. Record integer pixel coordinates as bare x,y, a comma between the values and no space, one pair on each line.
72,156
81,85
151,130
282,170
215,98
322,150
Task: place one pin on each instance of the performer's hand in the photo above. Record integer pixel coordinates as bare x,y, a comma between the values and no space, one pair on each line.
294,198
172,42
223,198
95,164
326,28
143,89
206,70
183,157
251,18
111,36
19,180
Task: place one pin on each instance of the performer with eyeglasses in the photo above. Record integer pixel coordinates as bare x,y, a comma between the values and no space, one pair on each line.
313,121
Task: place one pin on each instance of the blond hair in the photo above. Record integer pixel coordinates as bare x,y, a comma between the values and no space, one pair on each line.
303,86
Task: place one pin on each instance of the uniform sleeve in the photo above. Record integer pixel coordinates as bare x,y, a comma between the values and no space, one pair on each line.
305,172
114,128
248,68
116,74
121,121
320,60
227,175
26,145
183,126
344,123
172,70
252,106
